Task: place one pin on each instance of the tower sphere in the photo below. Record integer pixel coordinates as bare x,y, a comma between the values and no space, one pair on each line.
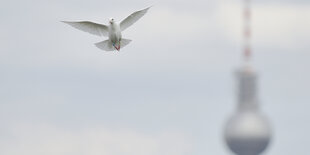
247,133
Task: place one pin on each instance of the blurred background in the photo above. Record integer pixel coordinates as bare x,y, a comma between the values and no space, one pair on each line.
169,92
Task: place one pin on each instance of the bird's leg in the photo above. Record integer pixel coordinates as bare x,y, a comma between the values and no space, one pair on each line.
119,45
114,46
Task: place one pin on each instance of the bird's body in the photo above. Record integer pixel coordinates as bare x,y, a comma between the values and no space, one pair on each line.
113,30
115,34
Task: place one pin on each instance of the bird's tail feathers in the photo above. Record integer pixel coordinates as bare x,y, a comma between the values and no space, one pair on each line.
125,42
107,45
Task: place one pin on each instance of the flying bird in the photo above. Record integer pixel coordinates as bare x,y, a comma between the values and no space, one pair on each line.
113,30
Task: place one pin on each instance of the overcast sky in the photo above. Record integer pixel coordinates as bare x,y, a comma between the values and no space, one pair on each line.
169,92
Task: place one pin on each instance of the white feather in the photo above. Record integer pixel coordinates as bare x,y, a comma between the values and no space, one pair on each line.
130,20
90,27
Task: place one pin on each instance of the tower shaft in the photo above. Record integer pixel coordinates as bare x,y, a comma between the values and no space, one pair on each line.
247,98
247,90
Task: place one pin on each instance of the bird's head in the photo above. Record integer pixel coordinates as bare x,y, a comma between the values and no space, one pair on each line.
111,20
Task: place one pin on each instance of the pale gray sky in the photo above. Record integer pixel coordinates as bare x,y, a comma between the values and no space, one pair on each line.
169,92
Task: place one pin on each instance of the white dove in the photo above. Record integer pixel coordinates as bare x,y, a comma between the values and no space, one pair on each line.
113,30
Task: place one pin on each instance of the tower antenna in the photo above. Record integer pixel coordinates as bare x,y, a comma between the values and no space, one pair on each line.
247,31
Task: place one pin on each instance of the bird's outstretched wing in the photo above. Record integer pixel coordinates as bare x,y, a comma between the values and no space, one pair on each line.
127,22
90,27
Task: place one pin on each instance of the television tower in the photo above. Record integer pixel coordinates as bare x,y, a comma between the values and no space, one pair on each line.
247,132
